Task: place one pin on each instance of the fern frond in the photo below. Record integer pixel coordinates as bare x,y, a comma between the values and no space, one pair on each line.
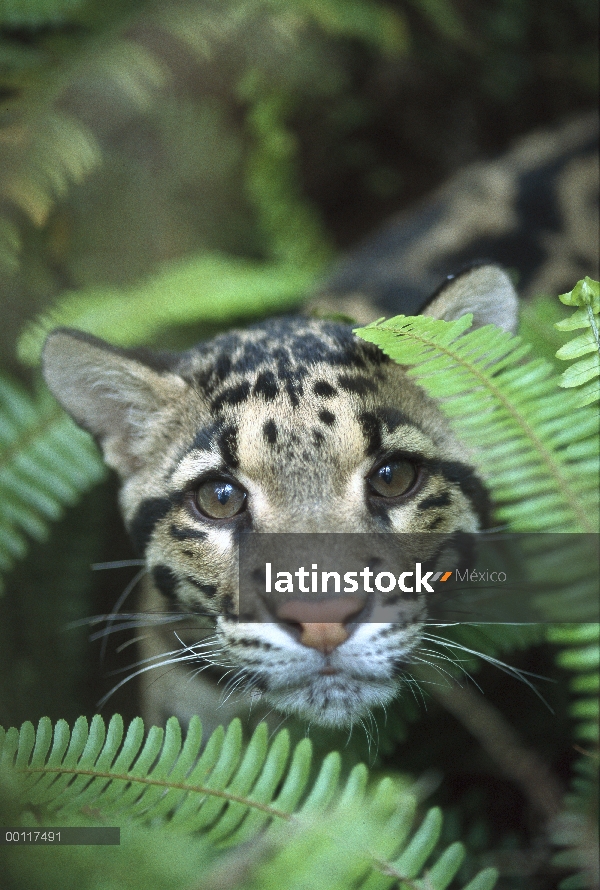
346,832
576,828
46,462
584,373
209,287
581,654
41,158
523,431
133,71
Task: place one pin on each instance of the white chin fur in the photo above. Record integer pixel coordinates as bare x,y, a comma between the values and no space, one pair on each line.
333,701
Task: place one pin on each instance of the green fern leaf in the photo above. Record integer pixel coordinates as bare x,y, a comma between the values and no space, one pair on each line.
209,287
510,414
576,828
46,462
227,794
586,296
42,158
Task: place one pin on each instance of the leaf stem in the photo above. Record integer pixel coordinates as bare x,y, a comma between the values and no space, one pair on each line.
161,783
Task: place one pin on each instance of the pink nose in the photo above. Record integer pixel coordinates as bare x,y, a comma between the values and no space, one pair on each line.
322,625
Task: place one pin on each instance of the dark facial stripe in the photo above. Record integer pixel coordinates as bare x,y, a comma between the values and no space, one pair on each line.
228,446
149,513
165,581
186,534
379,509
371,431
440,500
209,590
470,484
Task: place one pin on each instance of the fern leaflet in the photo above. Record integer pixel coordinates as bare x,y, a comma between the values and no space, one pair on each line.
542,470
584,373
576,829
228,794
208,287
46,462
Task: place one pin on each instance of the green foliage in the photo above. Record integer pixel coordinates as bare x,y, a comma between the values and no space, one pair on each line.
576,828
46,463
45,149
293,231
585,372
24,13
345,831
538,468
210,288
41,161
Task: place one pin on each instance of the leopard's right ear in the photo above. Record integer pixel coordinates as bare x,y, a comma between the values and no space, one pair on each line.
483,289
110,392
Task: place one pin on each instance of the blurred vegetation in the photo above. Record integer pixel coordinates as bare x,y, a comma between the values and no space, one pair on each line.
224,151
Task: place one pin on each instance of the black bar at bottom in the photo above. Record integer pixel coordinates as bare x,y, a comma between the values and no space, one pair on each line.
43,836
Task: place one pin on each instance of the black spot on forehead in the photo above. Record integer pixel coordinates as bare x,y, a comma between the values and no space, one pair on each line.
359,385
228,446
324,389
232,395
266,386
289,344
327,417
295,391
270,432
371,428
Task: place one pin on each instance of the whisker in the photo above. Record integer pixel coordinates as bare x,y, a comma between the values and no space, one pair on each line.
515,673
414,686
117,564
128,589
139,621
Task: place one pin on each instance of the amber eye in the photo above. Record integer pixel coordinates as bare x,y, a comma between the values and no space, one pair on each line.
220,499
393,478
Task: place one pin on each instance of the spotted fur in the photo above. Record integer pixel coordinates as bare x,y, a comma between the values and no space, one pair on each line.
297,413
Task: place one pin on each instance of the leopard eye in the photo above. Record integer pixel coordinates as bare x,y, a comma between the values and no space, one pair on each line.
220,499
393,478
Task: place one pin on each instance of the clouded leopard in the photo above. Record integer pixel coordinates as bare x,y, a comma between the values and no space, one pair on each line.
292,425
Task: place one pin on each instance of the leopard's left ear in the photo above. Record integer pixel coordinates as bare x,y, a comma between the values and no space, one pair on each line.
485,290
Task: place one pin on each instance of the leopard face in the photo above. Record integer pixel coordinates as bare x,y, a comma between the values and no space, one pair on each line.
293,425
